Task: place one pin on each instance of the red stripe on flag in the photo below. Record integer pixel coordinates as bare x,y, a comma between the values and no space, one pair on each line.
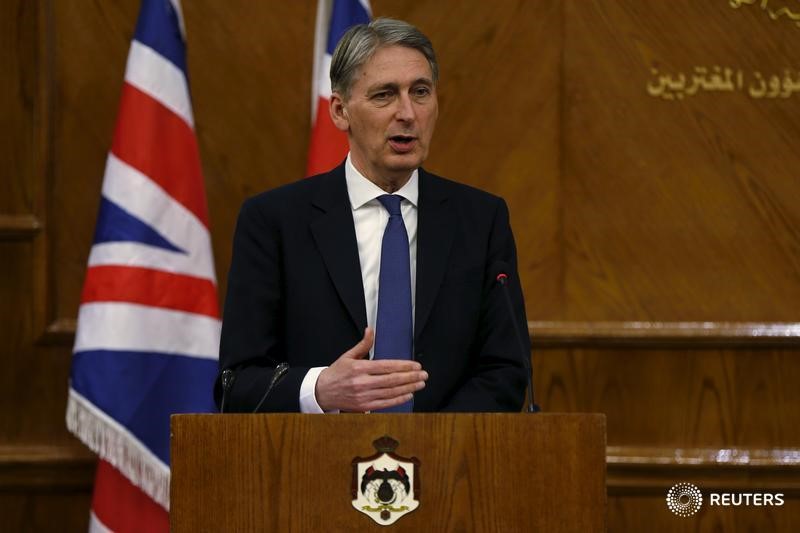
159,144
328,145
150,287
123,507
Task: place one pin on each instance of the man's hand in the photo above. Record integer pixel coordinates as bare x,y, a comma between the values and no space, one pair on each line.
352,383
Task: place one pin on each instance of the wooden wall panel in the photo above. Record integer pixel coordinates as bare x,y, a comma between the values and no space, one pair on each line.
55,511
721,417
680,398
88,60
499,119
17,333
19,88
45,474
681,209
250,73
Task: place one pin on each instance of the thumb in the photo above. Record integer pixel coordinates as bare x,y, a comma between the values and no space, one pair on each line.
361,350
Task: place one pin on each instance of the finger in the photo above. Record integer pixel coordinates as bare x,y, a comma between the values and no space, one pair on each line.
389,366
388,393
368,386
402,390
394,379
384,404
360,350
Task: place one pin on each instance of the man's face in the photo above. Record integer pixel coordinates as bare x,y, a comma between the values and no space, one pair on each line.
390,114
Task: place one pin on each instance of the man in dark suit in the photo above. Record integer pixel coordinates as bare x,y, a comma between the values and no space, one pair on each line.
375,282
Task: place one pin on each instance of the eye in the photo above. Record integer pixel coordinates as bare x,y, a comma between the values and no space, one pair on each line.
421,91
381,95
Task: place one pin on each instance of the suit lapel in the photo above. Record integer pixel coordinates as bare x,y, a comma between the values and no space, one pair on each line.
335,236
435,229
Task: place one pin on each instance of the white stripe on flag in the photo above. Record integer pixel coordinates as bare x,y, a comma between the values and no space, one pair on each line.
96,526
324,83
320,75
140,328
147,201
119,447
148,71
176,5
321,28
143,255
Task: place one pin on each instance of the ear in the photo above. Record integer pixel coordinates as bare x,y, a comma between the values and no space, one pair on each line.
339,112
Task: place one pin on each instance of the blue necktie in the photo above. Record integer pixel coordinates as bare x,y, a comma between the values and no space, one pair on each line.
394,329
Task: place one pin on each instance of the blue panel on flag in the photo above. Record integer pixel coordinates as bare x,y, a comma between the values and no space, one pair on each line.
114,224
345,13
140,390
158,28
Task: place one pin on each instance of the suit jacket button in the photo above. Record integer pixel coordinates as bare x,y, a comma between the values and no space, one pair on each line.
420,355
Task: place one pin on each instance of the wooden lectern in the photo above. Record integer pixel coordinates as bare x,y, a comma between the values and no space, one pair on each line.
477,472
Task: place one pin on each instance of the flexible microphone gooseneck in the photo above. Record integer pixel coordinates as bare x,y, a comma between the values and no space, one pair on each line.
277,376
499,270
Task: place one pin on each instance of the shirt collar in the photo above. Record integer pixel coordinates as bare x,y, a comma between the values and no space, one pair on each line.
361,190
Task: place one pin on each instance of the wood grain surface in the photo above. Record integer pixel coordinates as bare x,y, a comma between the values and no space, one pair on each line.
679,210
293,472
682,398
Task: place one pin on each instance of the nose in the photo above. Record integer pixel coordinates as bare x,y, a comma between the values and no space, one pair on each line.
405,109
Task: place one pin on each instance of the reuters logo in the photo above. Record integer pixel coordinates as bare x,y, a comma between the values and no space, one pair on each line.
684,499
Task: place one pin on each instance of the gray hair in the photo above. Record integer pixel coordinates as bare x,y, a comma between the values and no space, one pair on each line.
360,43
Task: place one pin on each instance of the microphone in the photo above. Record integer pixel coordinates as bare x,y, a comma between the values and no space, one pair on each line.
499,270
227,378
277,375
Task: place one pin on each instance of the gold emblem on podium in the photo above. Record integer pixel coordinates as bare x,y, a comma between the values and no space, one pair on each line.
385,485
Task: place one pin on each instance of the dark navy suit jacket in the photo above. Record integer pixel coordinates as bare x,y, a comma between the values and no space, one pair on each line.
295,294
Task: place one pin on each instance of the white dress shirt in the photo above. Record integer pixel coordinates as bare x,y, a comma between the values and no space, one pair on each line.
370,219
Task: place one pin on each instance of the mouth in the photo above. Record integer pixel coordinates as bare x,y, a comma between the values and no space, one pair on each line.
402,143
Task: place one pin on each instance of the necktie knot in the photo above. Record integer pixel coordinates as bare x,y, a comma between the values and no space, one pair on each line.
391,202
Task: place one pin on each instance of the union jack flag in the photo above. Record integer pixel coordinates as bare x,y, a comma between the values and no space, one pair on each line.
148,325
328,145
